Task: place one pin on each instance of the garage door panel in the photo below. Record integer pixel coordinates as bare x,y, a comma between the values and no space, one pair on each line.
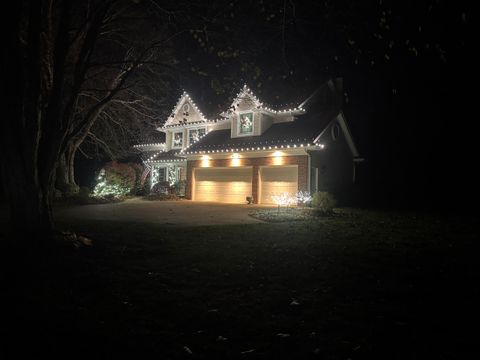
276,181
231,185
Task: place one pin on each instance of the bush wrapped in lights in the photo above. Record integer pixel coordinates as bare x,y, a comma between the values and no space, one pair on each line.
109,187
102,189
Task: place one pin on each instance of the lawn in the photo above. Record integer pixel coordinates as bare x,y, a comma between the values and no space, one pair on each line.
361,286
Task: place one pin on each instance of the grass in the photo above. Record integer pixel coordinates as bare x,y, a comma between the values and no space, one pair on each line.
361,286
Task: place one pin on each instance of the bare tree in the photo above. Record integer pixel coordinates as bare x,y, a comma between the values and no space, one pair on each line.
55,50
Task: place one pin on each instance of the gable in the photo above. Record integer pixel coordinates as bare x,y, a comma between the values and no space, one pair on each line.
244,101
185,112
338,130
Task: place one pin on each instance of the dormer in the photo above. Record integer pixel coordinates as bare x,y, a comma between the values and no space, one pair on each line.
185,125
251,117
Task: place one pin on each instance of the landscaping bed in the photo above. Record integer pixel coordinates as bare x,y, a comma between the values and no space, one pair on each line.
284,214
277,215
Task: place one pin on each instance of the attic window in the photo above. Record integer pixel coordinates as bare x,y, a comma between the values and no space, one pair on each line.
245,123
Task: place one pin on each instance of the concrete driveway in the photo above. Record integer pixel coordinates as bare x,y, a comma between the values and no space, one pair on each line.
180,213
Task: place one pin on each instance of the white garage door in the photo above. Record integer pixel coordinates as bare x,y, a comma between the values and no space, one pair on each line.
276,181
231,185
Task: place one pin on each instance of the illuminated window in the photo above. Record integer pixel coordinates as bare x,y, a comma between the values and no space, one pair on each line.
245,123
195,135
178,139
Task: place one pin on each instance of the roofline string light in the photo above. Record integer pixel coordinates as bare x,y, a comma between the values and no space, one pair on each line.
193,143
244,91
190,123
259,105
177,106
258,148
145,145
154,156
166,161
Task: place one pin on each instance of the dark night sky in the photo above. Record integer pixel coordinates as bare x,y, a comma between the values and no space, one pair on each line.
406,68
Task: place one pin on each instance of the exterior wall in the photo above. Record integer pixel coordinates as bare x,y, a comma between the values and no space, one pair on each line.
255,163
183,172
168,141
265,122
335,166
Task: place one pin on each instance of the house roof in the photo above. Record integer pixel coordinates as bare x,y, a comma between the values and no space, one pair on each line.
154,137
162,156
304,129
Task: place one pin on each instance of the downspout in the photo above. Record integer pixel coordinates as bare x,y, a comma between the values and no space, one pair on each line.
309,175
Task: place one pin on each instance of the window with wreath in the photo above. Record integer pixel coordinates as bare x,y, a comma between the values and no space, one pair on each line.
195,134
245,124
178,139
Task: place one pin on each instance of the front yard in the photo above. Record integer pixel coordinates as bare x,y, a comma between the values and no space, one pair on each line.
368,285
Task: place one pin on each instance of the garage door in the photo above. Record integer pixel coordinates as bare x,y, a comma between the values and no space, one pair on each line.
231,185
276,181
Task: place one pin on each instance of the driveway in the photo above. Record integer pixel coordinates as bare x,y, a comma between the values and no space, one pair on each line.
180,213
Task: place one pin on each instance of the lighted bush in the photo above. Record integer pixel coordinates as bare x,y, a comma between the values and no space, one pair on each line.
113,191
121,175
115,181
323,202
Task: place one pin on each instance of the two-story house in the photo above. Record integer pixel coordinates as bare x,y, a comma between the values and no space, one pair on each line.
253,150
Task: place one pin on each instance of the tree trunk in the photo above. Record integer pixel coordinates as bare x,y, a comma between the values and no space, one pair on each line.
62,180
27,141
65,172
29,200
71,152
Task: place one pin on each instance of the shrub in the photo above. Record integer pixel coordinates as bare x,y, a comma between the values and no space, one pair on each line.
323,203
120,175
162,187
110,191
180,186
115,181
138,188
